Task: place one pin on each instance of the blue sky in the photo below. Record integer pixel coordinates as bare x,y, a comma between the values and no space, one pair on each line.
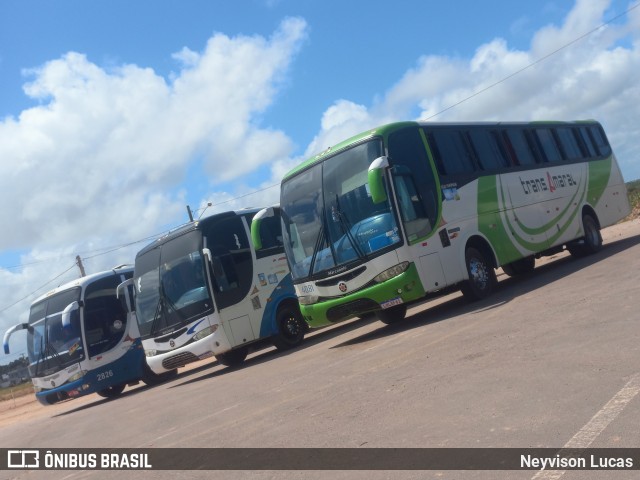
115,114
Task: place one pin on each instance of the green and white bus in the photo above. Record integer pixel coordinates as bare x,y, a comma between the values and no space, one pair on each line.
410,208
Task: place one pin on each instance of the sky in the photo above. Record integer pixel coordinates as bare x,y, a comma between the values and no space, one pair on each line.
117,114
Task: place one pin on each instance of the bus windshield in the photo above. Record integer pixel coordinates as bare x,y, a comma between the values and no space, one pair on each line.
329,219
52,347
171,287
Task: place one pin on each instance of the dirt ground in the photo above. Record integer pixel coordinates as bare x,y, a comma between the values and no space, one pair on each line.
27,407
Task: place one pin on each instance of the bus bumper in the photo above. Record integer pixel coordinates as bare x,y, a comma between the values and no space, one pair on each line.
404,288
126,369
213,344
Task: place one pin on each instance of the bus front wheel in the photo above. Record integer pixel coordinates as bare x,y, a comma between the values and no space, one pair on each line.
482,276
150,378
392,315
233,357
112,392
291,327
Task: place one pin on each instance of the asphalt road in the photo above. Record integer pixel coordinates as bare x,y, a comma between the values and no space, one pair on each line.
550,360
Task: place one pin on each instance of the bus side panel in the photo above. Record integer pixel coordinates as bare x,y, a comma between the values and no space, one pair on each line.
284,290
564,194
491,212
607,193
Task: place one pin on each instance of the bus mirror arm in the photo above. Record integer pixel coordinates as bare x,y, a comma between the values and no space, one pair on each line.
375,177
8,333
255,225
122,286
66,313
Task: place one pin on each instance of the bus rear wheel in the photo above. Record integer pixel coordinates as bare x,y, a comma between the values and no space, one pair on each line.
291,327
113,391
482,276
392,315
592,240
233,357
520,267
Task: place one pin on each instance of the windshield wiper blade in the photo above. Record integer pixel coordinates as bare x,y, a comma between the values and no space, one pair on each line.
346,228
316,248
157,315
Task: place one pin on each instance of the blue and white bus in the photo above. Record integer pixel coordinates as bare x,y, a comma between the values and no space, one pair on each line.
82,339
203,290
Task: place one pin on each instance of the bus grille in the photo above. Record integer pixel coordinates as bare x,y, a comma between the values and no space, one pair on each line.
356,307
179,360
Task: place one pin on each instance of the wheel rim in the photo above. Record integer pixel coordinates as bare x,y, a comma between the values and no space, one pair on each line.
291,327
478,273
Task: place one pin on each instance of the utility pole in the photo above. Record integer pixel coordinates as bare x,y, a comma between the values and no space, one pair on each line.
80,266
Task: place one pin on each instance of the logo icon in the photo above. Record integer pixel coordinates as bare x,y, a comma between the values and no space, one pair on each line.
23,458
342,286
172,344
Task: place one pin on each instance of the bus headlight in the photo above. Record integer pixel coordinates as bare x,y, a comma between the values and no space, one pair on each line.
391,272
205,332
150,353
77,376
308,299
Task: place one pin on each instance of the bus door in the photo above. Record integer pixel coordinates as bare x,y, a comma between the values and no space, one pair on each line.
232,274
272,281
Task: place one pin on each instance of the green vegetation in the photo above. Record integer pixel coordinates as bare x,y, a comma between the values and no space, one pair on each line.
8,393
633,190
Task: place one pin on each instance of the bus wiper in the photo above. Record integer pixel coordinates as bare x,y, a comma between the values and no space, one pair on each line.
157,315
346,228
316,248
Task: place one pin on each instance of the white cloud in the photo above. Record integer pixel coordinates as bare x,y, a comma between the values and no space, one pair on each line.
99,160
595,77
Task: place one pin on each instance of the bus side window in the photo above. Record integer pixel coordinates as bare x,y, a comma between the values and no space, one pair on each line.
104,315
521,146
451,152
604,149
488,152
415,182
271,235
548,145
570,147
586,142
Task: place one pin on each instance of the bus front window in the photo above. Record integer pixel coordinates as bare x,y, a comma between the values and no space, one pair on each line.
329,217
53,346
171,286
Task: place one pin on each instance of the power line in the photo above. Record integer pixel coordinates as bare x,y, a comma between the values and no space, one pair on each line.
37,289
532,64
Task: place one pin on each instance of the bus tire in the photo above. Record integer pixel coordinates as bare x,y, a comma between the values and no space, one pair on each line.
291,327
233,357
482,276
520,267
113,391
392,315
149,377
592,240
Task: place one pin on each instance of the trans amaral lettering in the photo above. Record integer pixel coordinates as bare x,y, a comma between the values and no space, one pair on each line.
549,184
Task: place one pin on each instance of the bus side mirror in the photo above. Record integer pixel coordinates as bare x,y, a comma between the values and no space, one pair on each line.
376,179
66,313
256,239
15,328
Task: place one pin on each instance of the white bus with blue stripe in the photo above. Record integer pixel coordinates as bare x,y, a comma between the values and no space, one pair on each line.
82,338
203,290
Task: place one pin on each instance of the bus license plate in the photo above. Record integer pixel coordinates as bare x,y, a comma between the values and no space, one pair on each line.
392,303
